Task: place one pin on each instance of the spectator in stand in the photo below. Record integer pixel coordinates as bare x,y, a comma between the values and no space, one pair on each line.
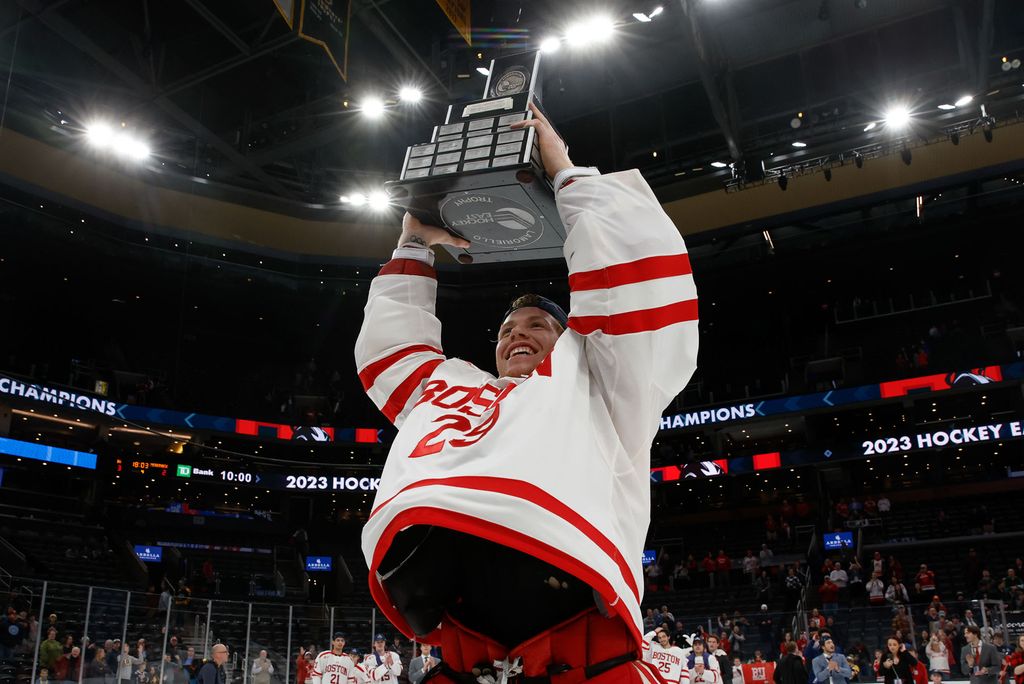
190,664
212,671
737,642
926,578
665,615
856,508
787,639
790,669
765,626
679,636
841,579
897,664
1001,646
724,622
938,656
884,505
262,669
50,649
680,575
1013,580
980,661
649,622
126,665
896,568
877,665
44,676
855,575
878,564
830,666
901,621
71,667
1013,666
303,665
750,566
843,509
896,593
97,671
724,643
815,620
829,594
870,507
920,671
723,568
763,585
708,565
771,528
655,577
793,588
766,557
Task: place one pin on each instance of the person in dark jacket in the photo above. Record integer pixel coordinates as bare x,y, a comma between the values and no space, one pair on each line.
791,668
897,663
724,666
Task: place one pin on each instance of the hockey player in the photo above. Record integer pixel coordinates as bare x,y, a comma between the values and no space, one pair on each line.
333,666
511,505
381,664
701,666
664,655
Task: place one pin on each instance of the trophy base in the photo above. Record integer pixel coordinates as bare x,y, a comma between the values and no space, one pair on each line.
506,214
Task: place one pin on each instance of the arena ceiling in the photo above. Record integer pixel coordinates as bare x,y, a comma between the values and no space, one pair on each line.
235,106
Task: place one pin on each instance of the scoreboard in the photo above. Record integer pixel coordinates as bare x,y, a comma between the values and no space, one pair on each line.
327,479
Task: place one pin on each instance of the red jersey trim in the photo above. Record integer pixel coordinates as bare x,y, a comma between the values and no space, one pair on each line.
369,375
538,497
400,397
460,522
641,270
408,267
644,320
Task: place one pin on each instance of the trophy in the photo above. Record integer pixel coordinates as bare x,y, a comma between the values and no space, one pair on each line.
482,181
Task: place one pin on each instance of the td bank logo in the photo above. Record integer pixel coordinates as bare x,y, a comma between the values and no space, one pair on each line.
184,470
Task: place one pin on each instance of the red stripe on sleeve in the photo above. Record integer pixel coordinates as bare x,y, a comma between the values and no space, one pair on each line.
400,397
370,374
651,268
644,320
408,267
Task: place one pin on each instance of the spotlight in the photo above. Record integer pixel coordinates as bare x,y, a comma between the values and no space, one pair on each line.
796,122
372,107
828,173
946,107
858,160
345,199
966,99
799,144
551,44
410,94
99,134
357,199
130,147
897,118
483,71
592,31
719,165
783,183
378,200
656,11
641,17
870,126
906,155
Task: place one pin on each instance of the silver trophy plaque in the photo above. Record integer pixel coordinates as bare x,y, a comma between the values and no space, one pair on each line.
483,181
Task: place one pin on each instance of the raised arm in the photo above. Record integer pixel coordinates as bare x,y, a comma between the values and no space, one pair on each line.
399,345
632,292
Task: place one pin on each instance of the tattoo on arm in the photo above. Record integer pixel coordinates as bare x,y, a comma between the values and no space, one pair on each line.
418,240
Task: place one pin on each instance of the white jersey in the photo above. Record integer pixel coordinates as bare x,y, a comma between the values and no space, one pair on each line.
329,668
383,668
359,675
670,661
555,464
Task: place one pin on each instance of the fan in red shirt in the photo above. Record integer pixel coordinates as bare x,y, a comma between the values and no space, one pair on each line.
303,666
926,578
920,670
723,564
1013,665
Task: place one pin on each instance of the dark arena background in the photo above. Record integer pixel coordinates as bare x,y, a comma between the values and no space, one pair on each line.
192,208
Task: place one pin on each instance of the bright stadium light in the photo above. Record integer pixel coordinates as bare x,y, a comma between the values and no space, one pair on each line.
656,11
964,100
946,106
595,30
870,126
799,144
897,118
357,199
99,134
483,71
410,94
719,164
345,199
551,44
378,200
372,107
641,17
130,147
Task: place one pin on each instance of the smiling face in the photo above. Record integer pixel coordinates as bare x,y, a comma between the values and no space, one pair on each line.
524,339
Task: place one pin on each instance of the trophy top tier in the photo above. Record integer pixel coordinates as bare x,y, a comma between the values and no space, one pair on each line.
483,181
